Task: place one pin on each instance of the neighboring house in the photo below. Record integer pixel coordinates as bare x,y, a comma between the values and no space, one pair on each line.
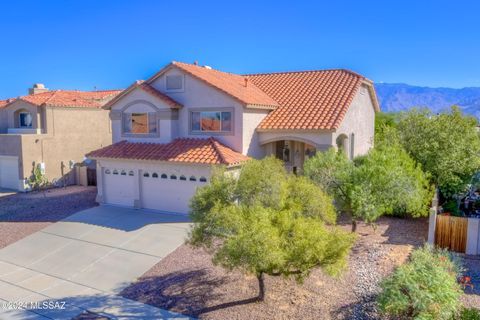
53,130
170,130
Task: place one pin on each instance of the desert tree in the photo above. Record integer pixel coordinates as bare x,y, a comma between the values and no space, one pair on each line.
267,222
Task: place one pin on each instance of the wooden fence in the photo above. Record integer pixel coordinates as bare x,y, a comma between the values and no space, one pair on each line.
451,233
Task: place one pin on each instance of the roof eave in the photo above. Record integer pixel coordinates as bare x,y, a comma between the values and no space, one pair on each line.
261,107
373,93
133,86
295,130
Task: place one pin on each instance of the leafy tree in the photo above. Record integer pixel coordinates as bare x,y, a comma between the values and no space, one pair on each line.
386,181
447,146
268,222
386,119
424,288
397,182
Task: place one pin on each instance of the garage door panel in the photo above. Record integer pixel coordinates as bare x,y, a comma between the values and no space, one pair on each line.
9,178
119,189
169,195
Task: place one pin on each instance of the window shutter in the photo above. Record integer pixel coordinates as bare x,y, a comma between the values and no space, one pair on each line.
152,122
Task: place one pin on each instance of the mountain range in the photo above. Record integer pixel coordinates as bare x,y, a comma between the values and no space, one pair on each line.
394,97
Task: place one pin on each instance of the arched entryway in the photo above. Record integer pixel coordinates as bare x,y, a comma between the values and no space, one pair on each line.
342,144
292,152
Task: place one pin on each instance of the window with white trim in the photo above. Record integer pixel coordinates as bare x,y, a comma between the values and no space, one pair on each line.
211,121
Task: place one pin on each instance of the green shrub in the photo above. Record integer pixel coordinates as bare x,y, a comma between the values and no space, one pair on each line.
470,314
451,206
424,288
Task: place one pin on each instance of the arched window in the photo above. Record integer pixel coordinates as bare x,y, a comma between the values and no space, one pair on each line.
131,173
183,178
146,175
203,179
115,171
107,171
173,177
192,178
154,175
164,176
25,119
123,173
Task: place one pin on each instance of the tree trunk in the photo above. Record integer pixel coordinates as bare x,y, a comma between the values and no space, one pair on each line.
261,287
354,225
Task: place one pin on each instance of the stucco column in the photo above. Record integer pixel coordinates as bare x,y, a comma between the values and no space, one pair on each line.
432,222
473,229
100,186
137,190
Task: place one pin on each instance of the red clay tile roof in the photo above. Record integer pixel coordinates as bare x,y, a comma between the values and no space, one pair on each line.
191,150
141,84
310,100
4,102
231,84
70,98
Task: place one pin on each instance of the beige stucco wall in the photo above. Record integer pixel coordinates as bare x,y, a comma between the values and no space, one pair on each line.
11,113
359,120
70,133
3,120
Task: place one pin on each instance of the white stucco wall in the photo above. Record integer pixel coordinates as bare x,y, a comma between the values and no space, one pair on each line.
136,102
251,138
321,140
198,95
359,120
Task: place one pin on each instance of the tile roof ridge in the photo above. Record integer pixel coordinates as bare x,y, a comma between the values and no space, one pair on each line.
203,67
214,143
305,71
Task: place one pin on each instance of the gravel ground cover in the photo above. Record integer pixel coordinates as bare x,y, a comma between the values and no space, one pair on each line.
187,282
22,214
471,298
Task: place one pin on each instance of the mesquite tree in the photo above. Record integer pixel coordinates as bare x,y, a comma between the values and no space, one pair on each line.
266,221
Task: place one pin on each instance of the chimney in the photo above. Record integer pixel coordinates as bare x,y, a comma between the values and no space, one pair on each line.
37,88
246,81
195,63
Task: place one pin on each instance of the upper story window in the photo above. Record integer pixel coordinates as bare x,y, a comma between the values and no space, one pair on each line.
140,123
174,82
211,121
25,120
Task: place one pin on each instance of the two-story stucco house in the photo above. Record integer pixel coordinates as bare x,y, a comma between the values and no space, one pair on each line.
170,130
51,129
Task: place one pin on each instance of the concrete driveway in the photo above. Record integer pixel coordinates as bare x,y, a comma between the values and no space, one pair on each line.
84,261
6,192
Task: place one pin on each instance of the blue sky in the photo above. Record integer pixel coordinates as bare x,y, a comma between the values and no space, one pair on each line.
109,44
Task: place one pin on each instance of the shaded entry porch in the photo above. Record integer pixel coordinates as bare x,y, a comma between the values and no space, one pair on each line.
292,152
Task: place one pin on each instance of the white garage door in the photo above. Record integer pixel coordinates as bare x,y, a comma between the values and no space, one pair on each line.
9,173
119,186
169,192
